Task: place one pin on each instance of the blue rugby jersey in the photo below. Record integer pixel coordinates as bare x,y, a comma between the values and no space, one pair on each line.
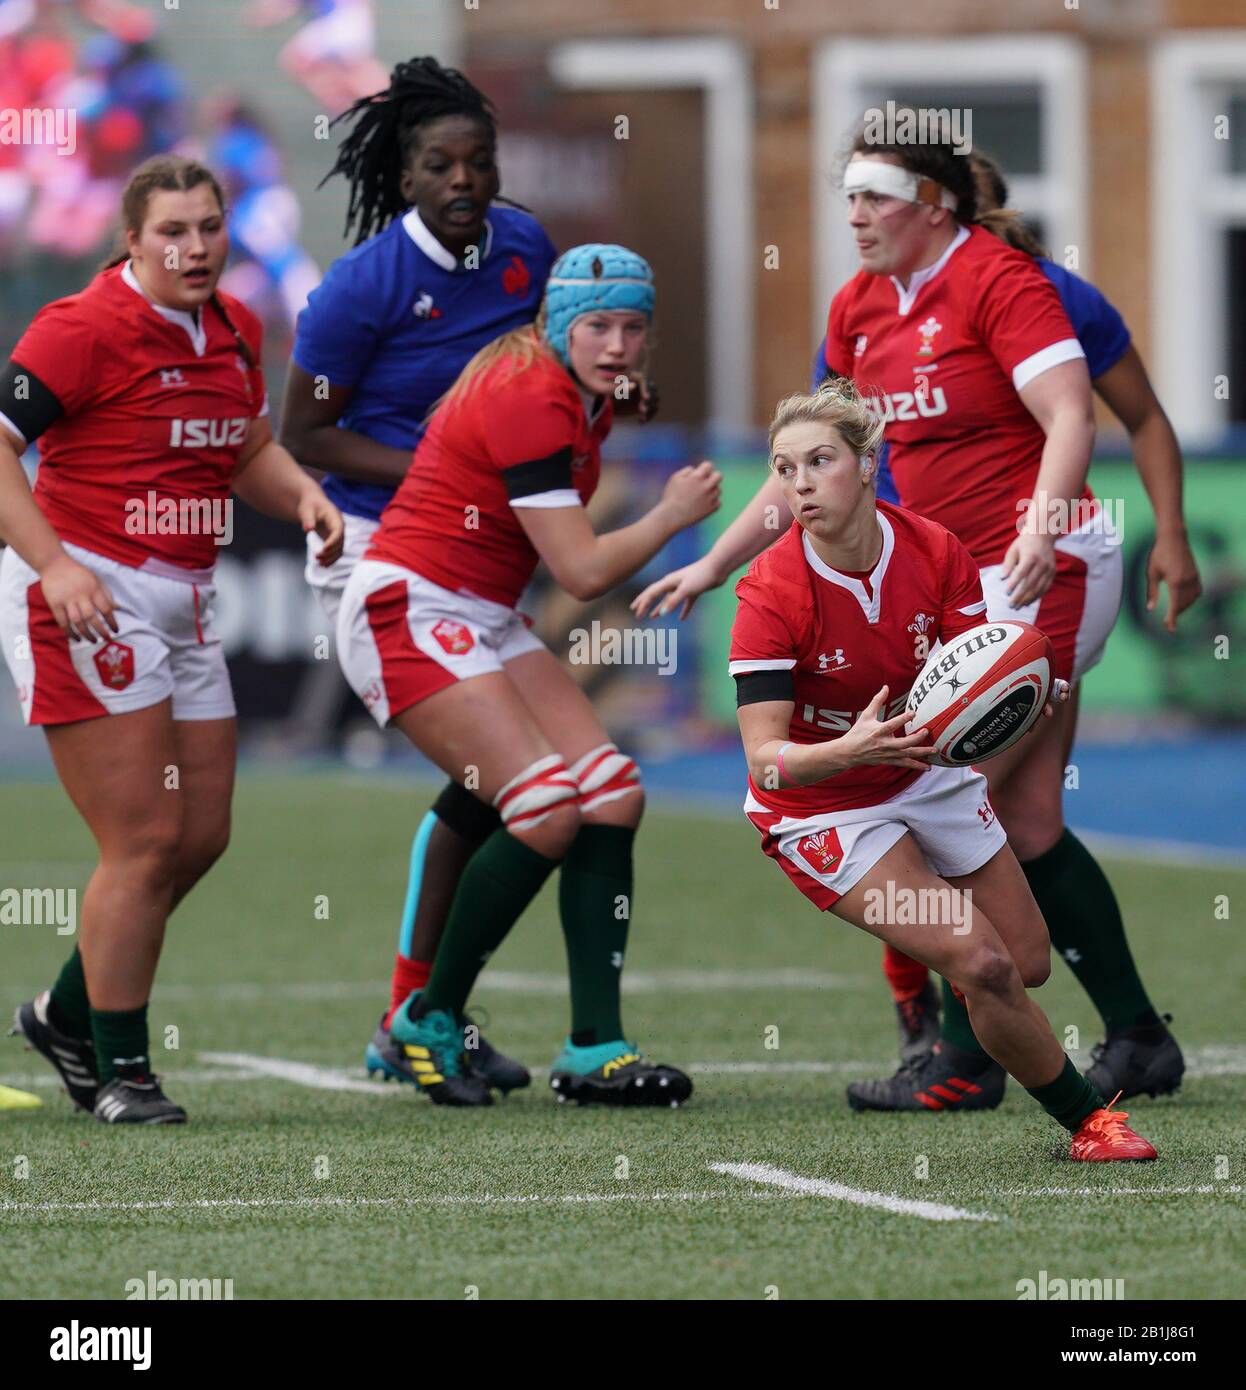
397,318
1095,319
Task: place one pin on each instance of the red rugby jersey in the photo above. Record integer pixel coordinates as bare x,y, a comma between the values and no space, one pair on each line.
146,406
516,439
943,362
843,639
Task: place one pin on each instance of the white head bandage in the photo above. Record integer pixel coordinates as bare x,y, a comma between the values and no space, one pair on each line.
865,175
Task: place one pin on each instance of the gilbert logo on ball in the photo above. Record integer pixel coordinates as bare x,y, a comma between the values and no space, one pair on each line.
979,694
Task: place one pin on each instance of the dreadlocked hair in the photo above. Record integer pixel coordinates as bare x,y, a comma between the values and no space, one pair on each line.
176,174
385,131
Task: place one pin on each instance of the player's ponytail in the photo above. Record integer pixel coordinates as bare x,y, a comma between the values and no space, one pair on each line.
244,348
994,214
1009,226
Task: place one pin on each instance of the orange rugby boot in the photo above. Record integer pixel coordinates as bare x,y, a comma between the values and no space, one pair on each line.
1105,1137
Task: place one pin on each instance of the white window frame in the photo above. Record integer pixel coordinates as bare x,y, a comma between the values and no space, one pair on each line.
1192,204
720,69
1053,63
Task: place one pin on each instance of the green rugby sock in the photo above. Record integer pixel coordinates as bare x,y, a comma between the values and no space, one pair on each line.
120,1041
955,1027
1069,1098
595,904
69,1009
1084,920
499,882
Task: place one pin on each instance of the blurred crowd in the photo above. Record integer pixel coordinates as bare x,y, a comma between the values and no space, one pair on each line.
99,65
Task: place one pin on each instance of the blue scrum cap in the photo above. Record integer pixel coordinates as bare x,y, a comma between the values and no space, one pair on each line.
590,278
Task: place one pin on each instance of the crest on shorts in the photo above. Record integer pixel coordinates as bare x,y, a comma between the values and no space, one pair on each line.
115,663
455,639
821,851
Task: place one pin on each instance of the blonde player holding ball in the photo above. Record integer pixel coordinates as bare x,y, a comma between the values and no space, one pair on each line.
844,798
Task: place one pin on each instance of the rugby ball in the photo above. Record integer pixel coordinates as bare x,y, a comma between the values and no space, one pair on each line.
981,692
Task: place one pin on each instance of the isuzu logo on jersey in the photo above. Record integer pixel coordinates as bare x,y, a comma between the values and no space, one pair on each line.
115,664
908,405
208,434
926,336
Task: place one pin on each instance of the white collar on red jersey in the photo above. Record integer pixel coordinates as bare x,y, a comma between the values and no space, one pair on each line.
923,277
871,603
413,225
196,331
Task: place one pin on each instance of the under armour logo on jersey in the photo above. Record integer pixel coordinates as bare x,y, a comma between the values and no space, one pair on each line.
837,656
423,307
172,376
986,815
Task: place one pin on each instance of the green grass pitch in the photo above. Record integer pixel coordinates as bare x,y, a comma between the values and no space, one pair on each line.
318,1184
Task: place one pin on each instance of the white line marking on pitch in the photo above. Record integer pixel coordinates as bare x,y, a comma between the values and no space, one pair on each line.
818,1187
536,1199
301,1073
514,982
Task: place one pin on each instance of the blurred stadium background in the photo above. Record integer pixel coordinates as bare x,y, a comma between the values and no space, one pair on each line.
706,135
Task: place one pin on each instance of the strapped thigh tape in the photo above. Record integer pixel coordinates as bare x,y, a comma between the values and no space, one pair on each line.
536,792
604,775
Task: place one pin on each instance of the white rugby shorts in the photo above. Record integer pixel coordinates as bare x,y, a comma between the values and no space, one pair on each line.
945,809
167,645
402,638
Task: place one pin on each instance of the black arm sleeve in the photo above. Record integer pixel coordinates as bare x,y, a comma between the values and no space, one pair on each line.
539,475
27,402
755,687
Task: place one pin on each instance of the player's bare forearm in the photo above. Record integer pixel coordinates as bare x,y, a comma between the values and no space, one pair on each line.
1126,389
1063,469
22,524
1060,400
309,429
762,521
617,555
803,763
273,483
1157,457
349,455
